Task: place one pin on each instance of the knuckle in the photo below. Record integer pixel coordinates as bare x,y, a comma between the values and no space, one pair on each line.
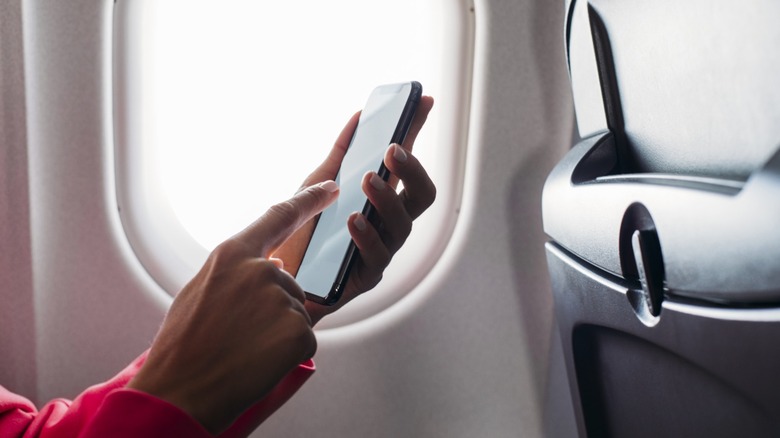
308,342
285,210
392,245
400,230
405,227
266,269
313,195
315,192
224,256
383,261
382,252
277,297
431,192
226,252
428,193
265,278
302,335
311,345
392,248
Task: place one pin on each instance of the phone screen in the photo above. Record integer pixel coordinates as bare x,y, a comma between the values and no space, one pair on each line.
327,250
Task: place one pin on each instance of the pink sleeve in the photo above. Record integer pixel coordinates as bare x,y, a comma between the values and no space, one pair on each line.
109,409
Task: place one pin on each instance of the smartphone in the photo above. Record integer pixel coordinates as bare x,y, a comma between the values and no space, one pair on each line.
331,253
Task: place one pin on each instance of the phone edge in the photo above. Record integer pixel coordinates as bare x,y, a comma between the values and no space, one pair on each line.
350,257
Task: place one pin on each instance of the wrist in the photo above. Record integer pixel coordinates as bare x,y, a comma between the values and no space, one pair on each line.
213,418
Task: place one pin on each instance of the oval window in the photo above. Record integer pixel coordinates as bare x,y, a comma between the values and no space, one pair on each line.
223,107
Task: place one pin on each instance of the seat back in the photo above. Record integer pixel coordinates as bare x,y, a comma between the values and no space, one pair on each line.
665,249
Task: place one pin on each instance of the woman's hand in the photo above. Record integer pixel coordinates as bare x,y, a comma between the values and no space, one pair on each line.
395,211
240,325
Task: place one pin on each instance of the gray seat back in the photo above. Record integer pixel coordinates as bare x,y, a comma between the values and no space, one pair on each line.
665,218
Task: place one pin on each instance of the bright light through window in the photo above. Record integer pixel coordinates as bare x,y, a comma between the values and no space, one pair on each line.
223,107
246,96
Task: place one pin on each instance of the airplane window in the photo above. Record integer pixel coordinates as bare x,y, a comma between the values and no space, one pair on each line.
224,107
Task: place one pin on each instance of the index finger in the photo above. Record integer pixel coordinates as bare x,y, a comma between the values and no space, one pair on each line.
265,235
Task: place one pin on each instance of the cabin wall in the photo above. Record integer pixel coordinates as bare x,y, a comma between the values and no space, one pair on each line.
17,330
467,354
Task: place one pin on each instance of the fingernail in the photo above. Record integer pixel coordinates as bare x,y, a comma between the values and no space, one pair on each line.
329,185
377,182
359,222
399,154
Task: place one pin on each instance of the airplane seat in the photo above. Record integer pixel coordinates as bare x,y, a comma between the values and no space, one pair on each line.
664,219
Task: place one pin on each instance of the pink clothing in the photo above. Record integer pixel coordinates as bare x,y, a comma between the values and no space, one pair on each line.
111,410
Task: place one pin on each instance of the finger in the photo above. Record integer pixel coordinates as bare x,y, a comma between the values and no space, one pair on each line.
269,232
373,252
419,191
330,167
292,286
420,116
397,224
297,300
283,286
294,290
279,263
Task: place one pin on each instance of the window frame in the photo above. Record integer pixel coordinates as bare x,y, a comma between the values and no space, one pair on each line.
172,257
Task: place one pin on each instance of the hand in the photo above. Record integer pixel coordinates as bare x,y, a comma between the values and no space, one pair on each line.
240,325
396,211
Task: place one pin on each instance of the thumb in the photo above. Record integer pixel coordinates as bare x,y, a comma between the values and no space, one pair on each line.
269,232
